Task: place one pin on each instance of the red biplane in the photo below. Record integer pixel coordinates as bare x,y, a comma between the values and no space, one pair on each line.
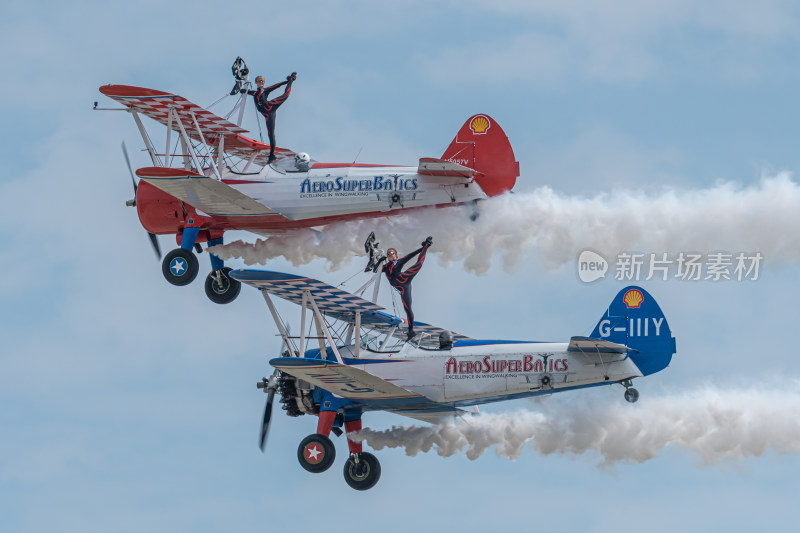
211,178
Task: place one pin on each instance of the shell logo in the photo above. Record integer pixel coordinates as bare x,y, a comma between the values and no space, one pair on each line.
479,124
633,298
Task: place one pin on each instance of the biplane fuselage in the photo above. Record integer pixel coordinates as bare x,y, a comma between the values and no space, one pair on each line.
471,372
280,197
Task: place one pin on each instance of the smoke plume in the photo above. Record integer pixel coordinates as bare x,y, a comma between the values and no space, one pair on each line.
717,425
758,218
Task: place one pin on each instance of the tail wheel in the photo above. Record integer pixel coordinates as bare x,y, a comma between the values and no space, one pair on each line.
180,267
631,395
220,288
365,473
316,453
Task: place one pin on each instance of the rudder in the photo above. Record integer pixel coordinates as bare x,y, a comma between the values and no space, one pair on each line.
481,144
635,319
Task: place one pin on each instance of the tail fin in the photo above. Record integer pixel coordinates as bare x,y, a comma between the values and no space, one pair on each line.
635,320
481,144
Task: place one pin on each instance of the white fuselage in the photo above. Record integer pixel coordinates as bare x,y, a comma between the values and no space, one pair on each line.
333,191
494,371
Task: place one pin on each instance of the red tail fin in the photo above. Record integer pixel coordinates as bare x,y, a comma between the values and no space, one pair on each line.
482,144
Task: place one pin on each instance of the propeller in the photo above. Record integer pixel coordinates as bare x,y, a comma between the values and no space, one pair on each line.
270,385
132,202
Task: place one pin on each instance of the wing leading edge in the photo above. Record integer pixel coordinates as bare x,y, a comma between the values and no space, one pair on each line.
203,193
364,388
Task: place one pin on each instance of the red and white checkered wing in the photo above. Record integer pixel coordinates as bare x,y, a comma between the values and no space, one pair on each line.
156,105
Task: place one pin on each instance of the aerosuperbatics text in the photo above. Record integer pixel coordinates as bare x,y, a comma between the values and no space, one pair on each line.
493,368
362,187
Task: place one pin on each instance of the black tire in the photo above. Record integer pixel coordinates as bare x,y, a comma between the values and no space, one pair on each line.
225,293
631,395
316,453
365,475
180,267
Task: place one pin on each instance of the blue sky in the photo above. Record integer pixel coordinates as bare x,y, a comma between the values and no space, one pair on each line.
129,404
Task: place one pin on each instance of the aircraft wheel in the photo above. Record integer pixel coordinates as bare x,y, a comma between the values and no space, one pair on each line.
180,267
224,291
631,395
365,474
316,453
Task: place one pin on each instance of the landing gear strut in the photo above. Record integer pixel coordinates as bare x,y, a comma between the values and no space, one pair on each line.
631,394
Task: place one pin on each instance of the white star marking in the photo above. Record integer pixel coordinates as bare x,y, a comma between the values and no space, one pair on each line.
177,266
313,453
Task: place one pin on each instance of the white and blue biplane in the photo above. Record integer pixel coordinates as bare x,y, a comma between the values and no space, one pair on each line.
363,362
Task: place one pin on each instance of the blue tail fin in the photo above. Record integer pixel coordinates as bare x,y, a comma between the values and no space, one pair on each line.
635,320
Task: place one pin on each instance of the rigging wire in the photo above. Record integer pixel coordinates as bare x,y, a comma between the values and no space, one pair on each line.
218,101
351,277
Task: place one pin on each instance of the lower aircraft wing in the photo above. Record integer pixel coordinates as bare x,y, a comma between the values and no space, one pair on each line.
203,193
356,384
343,380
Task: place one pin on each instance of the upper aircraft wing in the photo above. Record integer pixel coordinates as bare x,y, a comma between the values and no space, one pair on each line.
156,105
332,301
203,193
337,303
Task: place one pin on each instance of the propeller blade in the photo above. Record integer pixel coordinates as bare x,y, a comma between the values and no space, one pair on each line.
267,418
132,203
130,169
156,247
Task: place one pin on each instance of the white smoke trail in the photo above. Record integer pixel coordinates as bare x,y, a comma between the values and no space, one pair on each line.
718,425
759,218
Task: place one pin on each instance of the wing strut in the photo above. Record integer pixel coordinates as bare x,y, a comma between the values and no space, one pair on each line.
321,324
152,151
357,329
187,142
278,322
376,279
303,323
203,140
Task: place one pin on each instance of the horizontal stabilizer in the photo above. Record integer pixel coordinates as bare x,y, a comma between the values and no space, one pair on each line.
429,166
343,380
590,346
203,193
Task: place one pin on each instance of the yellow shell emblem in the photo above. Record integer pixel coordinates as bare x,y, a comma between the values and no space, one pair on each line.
633,298
479,125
